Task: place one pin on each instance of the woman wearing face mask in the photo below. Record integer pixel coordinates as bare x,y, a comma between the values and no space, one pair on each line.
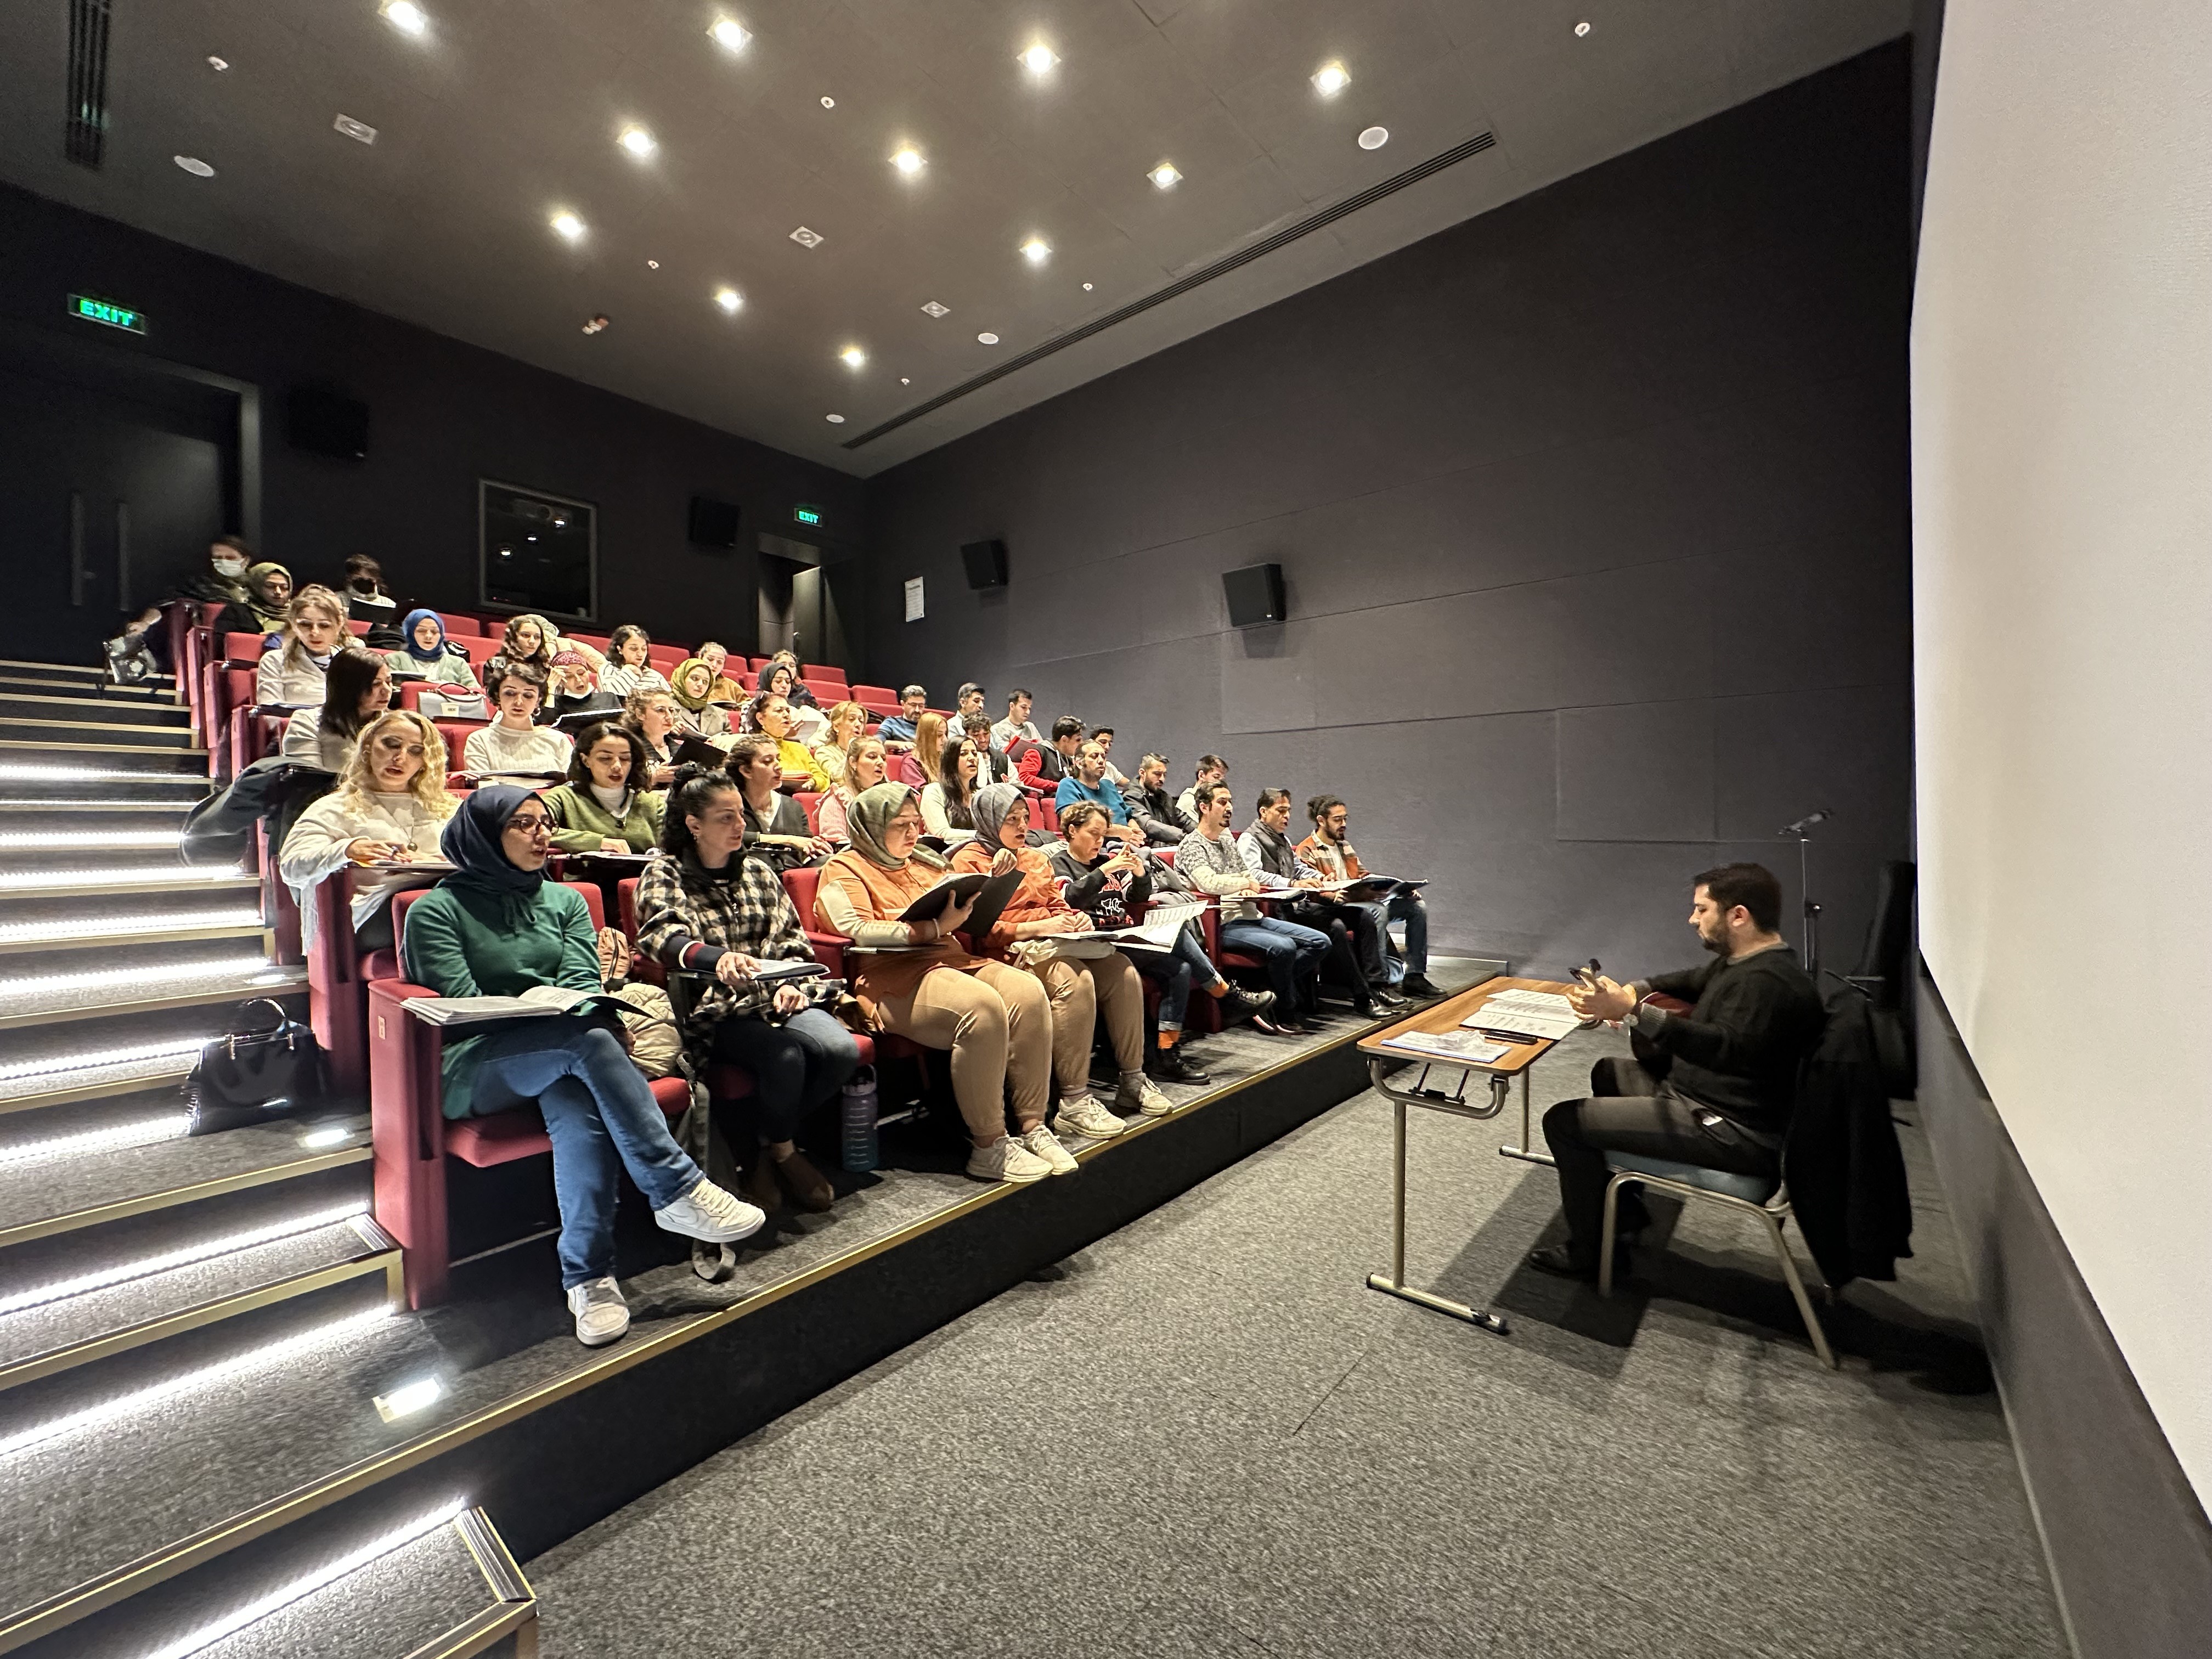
428,654
605,807
705,905
357,689
514,742
655,716
991,1016
221,583
693,685
496,927
367,597
864,769
628,669
291,672
268,591
946,804
1079,989
389,806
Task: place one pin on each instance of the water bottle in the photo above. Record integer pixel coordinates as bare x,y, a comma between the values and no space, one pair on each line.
860,1137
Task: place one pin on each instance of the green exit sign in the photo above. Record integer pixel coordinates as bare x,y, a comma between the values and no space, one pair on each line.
807,514
107,312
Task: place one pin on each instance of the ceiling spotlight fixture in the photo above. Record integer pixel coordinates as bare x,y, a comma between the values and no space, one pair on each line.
930,307
907,160
1164,175
653,264
806,238
835,420
988,338
1039,58
728,34
1036,250
1582,28
1374,138
596,326
567,226
853,357
729,298
405,17
218,64
1330,79
637,141
193,165
904,381
828,103
360,131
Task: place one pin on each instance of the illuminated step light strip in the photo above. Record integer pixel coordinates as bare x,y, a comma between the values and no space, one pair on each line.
17,932
260,968
57,840
97,1058
141,1399
16,771
205,1250
144,1132
299,1588
134,875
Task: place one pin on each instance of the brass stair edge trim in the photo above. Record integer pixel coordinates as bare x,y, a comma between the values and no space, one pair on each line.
142,936
503,1573
169,1076
43,746
128,889
293,986
97,673
480,1631
135,727
171,1197
9,694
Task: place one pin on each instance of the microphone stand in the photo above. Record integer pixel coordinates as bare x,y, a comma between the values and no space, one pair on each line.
1805,884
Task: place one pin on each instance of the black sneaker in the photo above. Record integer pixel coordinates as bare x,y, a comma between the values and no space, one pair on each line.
1171,1066
1420,985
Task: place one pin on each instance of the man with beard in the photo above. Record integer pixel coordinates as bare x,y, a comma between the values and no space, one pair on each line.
1713,1087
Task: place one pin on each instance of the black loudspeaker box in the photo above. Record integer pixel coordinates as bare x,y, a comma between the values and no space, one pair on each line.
326,423
1254,594
985,563
713,524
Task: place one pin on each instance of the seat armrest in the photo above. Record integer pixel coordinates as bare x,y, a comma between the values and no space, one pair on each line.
406,1096
829,950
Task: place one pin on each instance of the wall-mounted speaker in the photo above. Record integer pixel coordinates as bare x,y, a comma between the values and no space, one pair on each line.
326,423
1254,594
985,563
713,524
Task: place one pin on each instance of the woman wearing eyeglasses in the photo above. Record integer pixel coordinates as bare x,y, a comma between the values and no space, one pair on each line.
496,927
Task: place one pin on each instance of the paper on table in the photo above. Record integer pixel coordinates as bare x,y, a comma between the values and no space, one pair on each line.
1449,1045
1537,1028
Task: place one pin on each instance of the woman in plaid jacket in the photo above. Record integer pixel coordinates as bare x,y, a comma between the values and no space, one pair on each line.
707,906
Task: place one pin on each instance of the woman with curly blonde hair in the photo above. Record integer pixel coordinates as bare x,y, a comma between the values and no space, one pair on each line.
389,808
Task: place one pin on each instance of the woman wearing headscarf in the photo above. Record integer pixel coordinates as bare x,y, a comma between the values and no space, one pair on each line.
1079,987
428,654
267,590
708,905
716,656
693,685
497,928
292,671
991,1015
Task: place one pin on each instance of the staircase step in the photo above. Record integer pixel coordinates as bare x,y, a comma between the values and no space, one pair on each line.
28,680
138,933
91,889
15,703
88,734
104,992
50,751
93,778
74,673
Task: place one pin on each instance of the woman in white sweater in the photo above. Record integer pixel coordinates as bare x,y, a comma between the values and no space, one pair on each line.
514,743
389,807
291,673
357,690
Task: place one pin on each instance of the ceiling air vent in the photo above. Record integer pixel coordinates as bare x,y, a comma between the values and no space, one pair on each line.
86,139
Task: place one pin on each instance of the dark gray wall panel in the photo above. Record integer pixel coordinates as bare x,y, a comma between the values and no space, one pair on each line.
1592,513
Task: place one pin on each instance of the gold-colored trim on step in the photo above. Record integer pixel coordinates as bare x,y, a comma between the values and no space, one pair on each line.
169,1197
154,888
167,1077
97,674
105,689
14,1374
291,986
133,939
485,1630
9,698
171,808
103,749
95,745
502,1574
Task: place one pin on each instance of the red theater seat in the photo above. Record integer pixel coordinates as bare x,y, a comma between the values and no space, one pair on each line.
826,692
459,627
243,647
479,651
815,671
599,642
356,629
877,694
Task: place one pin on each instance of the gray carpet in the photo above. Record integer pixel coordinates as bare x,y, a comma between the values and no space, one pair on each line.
1206,1436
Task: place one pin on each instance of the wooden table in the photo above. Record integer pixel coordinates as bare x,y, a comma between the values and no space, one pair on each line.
1382,1064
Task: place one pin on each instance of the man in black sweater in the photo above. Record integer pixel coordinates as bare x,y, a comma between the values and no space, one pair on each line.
1712,1087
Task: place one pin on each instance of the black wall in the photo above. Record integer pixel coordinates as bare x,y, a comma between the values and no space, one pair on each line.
1593,513
442,415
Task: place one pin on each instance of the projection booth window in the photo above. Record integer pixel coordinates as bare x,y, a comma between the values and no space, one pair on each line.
538,552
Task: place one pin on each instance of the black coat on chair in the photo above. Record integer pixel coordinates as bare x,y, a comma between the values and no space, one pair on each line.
1844,1169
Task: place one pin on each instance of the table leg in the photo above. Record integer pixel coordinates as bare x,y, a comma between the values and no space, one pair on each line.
1522,1151
1395,1285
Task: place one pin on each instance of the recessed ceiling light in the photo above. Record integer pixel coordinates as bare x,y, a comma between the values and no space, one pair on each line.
907,160
567,226
1036,250
1164,175
1039,58
1330,79
988,338
405,17
653,264
1582,28
728,34
729,298
637,141
193,165
853,357
218,64
829,102
806,238
1374,138
1086,287
904,381
835,420
931,308
360,131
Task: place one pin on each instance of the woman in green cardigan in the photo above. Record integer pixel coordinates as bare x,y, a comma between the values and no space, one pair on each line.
496,927
605,807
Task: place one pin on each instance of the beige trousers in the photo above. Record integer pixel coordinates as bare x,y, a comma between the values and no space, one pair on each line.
999,1027
1081,988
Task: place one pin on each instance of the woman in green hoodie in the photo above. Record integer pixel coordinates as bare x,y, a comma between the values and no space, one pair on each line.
496,927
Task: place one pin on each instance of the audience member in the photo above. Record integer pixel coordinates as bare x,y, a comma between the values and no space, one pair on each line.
992,766
572,689
497,928
514,743
220,582
775,823
1713,1087
1103,737
357,689
531,639
292,670
801,694
864,769
1114,890
918,765
425,652
606,806
366,596
693,685
717,657
1328,851
389,807
1210,860
268,591
629,669
1270,857
1212,769
1163,823
1044,766
1036,932
709,908
1017,724
654,714
993,1017
826,759
772,718
968,700
897,730
1087,782
948,801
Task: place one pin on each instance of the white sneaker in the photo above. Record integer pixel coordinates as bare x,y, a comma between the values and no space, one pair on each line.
1045,1144
602,1315
1006,1159
1086,1117
709,1213
1139,1095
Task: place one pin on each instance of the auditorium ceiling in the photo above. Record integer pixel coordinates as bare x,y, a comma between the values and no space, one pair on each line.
962,168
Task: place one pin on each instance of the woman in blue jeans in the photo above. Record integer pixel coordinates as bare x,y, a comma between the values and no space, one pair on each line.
496,927
706,905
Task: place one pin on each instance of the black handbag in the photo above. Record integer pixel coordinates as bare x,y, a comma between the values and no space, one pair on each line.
253,1074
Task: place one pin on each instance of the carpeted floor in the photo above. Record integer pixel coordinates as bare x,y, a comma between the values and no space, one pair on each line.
1205,1436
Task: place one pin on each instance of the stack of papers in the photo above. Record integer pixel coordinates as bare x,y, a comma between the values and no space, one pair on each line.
537,1002
1462,1046
1158,931
1533,1016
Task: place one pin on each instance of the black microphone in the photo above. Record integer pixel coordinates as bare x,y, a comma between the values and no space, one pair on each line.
1807,822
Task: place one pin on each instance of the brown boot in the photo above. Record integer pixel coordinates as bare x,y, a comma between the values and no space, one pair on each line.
759,1187
802,1180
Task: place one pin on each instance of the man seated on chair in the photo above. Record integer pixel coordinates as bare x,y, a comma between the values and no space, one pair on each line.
1042,768
1151,809
1330,851
992,765
1713,1087
1017,724
968,700
1212,769
897,730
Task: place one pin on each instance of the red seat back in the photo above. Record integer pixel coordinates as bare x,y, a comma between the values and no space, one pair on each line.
872,694
802,886
601,643
813,804
468,627
356,629
243,647
815,671
479,651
